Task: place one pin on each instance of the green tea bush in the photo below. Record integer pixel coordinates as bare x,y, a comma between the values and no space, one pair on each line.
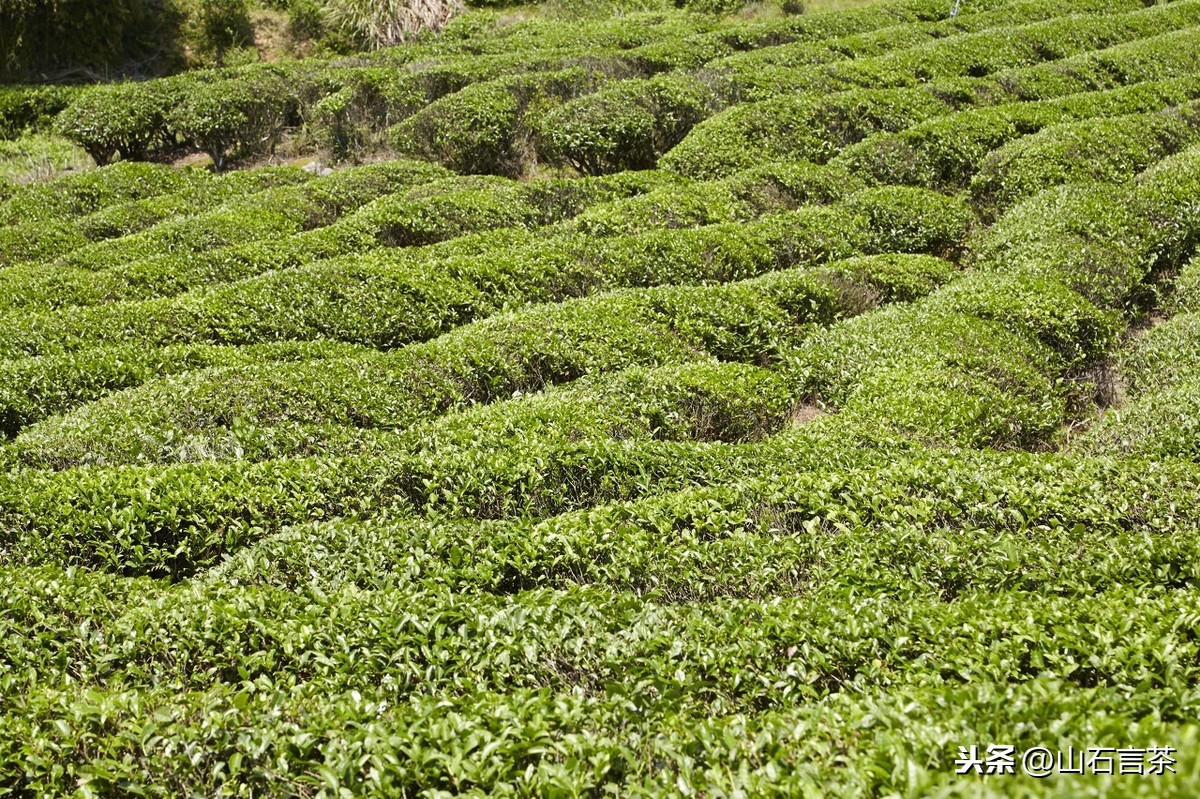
72,196
790,184
1087,236
1107,150
194,265
804,126
358,105
734,138
36,241
53,241
689,53
942,377
239,115
1185,297
34,388
1163,424
1040,307
1162,356
945,153
988,52
622,545
176,518
312,301
1160,372
913,220
908,30
479,129
274,212
470,130
24,108
1158,57
303,303
128,119
897,278
296,303
689,481
179,244
170,522
445,210
684,205
626,125
1165,196
202,193
754,321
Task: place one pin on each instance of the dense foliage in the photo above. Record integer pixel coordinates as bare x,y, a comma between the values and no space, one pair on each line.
673,402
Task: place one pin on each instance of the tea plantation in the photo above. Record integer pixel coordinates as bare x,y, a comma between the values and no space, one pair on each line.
679,402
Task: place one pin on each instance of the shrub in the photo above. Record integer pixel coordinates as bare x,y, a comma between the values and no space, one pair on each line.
898,278
1163,424
678,206
470,130
35,388
913,220
1167,198
24,108
946,152
480,129
1087,236
626,125
214,27
943,378
125,118
804,126
1186,295
1157,57
753,321
72,196
1109,149
1042,308
785,185
199,194
714,6
238,115
1160,371
355,106
943,153
36,241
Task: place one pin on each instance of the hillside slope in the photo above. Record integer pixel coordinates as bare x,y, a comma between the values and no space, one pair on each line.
672,404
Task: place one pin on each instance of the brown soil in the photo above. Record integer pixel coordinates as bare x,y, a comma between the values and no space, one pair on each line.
271,37
805,413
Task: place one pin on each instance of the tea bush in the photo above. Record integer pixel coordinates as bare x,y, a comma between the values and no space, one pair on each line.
481,128
403,302
24,108
754,321
240,115
856,427
626,125
1105,149
1186,291
127,119
76,195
